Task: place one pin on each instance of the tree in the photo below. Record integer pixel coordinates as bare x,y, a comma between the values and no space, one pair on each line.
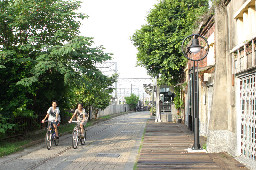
95,91
159,41
132,101
43,57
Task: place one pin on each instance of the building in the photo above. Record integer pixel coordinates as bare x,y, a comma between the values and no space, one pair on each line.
227,81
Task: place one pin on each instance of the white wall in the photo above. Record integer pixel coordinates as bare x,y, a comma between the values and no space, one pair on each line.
113,109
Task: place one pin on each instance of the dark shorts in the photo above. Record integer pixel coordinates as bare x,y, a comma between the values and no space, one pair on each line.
55,123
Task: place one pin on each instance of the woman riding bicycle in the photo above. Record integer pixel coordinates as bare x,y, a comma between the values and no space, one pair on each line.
81,116
53,116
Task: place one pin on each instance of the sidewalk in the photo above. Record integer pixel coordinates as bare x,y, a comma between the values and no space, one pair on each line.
164,147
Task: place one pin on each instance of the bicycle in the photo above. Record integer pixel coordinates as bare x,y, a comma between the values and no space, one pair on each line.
50,136
76,135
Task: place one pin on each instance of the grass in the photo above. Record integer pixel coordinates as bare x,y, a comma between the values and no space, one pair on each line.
204,146
66,128
9,146
141,143
105,117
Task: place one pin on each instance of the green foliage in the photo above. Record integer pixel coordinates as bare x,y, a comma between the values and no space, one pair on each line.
43,58
220,3
153,110
94,91
178,102
132,101
204,146
7,148
4,125
159,41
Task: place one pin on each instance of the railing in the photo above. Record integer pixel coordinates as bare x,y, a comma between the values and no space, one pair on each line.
23,125
244,57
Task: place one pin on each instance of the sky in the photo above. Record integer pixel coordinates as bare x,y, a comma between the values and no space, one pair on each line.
112,23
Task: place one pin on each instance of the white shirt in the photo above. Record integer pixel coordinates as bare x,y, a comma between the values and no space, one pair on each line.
52,113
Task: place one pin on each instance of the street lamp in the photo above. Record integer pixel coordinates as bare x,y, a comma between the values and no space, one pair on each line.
193,49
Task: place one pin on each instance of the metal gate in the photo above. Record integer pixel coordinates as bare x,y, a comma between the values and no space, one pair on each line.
248,115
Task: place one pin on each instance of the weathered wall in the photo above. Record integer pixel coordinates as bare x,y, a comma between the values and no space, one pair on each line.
235,37
232,38
222,135
218,125
112,109
219,108
205,107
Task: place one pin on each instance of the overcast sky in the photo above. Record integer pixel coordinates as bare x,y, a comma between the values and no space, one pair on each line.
112,23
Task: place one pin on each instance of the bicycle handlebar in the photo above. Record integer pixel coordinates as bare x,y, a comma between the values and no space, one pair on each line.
48,121
75,121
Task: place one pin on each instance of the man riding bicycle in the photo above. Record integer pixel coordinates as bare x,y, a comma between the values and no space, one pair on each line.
81,116
53,116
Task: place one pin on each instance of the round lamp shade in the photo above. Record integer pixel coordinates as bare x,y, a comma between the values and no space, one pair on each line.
195,49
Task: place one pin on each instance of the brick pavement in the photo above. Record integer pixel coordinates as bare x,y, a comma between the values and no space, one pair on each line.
112,144
164,147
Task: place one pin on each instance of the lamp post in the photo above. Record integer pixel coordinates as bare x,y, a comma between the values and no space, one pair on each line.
193,49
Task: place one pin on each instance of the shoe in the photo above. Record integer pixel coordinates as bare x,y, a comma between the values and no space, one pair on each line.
57,137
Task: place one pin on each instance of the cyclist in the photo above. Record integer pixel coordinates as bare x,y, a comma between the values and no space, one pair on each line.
81,116
53,116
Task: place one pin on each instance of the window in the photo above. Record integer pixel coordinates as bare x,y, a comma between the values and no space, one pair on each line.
246,21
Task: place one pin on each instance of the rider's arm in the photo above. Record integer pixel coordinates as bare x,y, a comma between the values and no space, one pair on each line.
47,115
56,119
72,116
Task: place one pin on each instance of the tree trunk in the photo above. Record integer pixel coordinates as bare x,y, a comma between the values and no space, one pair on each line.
158,113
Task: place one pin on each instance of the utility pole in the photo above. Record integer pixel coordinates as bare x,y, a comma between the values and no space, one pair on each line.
158,113
131,89
153,92
143,99
116,83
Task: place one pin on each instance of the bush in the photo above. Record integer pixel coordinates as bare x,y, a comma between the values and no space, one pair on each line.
153,110
132,101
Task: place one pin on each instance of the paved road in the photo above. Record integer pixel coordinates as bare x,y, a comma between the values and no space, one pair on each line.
112,144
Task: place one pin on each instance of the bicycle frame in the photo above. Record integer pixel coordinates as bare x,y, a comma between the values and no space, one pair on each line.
50,135
51,129
77,135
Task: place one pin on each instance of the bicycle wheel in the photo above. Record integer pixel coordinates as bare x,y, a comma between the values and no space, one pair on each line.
82,140
48,140
75,139
56,141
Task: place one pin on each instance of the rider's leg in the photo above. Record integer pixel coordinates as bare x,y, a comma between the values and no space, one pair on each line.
82,128
56,130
